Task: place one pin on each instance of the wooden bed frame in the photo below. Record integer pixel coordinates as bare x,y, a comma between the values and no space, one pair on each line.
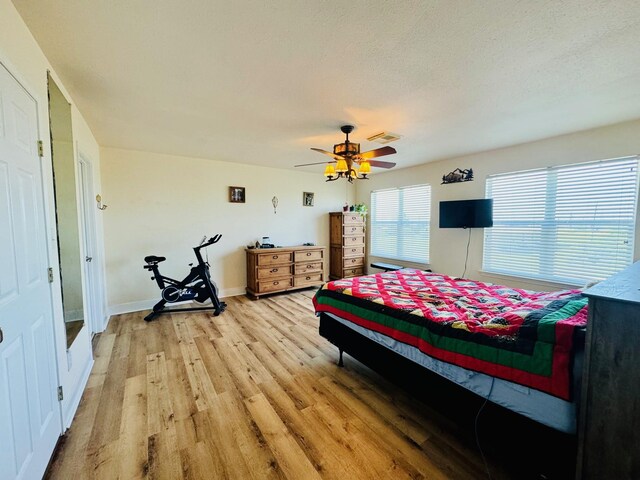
530,448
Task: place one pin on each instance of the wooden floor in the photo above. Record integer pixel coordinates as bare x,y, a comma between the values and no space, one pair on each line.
254,393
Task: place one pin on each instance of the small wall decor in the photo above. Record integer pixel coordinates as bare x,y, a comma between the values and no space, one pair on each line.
100,205
236,194
458,175
307,199
274,202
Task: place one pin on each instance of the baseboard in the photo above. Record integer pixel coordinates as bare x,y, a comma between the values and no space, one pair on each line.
232,292
131,307
148,304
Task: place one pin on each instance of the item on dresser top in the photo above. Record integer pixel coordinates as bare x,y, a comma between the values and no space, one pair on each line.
197,286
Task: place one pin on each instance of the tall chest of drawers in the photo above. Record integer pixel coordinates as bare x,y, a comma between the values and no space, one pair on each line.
272,270
347,244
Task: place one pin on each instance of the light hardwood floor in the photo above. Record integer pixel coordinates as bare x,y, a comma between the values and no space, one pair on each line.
254,393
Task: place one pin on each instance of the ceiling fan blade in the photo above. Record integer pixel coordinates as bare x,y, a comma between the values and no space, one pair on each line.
333,155
378,152
379,164
316,163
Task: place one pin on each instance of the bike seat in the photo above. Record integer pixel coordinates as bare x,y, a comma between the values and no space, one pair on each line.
152,259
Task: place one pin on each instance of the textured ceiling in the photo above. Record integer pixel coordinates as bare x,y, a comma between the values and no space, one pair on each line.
263,81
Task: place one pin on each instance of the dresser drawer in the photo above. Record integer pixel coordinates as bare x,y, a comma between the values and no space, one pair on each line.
308,256
353,230
275,285
274,258
352,251
352,218
274,272
308,267
353,241
353,272
311,279
353,262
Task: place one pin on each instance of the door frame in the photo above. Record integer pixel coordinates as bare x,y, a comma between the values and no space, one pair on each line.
93,285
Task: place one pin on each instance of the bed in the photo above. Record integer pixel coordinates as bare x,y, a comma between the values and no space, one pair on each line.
518,348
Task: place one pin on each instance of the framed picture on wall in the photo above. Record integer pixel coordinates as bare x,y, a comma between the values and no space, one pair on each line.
307,199
236,194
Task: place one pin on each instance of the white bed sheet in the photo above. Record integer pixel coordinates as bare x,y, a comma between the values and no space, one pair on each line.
539,406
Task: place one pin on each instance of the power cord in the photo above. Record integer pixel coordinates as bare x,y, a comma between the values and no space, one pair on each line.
467,255
475,428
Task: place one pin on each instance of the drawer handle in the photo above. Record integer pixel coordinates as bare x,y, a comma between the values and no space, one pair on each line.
276,283
309,266
274,270
354,239
308,254
275,257
353,250
308,278
353,261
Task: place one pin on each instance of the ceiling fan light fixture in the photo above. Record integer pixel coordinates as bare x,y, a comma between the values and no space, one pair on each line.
329,171
346,149
347,161
341,166
365,168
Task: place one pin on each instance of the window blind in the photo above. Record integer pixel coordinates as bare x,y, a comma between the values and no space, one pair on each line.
400,219
570,224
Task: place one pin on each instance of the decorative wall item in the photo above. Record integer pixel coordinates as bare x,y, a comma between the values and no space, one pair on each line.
307,199
458,175
274,202
100,205
236,194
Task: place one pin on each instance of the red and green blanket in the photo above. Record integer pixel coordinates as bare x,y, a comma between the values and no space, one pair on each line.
522,336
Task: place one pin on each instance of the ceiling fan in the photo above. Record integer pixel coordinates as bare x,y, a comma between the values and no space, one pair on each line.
349,162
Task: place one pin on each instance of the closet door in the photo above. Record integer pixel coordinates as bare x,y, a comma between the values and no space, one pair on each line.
30,421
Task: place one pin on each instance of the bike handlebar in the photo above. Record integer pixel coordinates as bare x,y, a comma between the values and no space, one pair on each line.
215,239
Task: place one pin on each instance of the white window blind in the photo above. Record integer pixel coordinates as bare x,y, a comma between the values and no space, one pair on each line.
400,219
569,224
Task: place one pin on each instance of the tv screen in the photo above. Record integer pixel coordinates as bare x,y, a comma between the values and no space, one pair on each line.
466,213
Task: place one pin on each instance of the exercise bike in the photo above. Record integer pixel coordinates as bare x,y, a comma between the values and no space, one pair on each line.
196,286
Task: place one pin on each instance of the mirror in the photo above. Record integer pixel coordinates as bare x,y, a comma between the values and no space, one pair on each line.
66,203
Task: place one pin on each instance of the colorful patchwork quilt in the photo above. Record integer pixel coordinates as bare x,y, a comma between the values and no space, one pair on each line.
522,336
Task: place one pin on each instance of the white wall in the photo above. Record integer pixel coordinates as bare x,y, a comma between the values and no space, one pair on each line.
20,53
163,205
448,245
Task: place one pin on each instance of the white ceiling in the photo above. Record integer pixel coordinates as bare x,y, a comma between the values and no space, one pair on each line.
261,82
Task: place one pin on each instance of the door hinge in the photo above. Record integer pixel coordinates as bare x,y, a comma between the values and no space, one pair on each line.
50,274
60,393
40,148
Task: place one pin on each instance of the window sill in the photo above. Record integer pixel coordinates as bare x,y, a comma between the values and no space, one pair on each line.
532,281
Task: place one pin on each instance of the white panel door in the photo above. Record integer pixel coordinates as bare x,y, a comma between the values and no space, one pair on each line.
29,413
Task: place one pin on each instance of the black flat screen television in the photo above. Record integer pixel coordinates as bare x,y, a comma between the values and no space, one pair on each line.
476,213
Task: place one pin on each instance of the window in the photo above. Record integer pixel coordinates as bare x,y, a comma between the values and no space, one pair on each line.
400,219
569,224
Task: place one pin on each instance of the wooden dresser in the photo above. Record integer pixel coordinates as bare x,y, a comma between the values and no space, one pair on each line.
347,244
609,421
272,270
